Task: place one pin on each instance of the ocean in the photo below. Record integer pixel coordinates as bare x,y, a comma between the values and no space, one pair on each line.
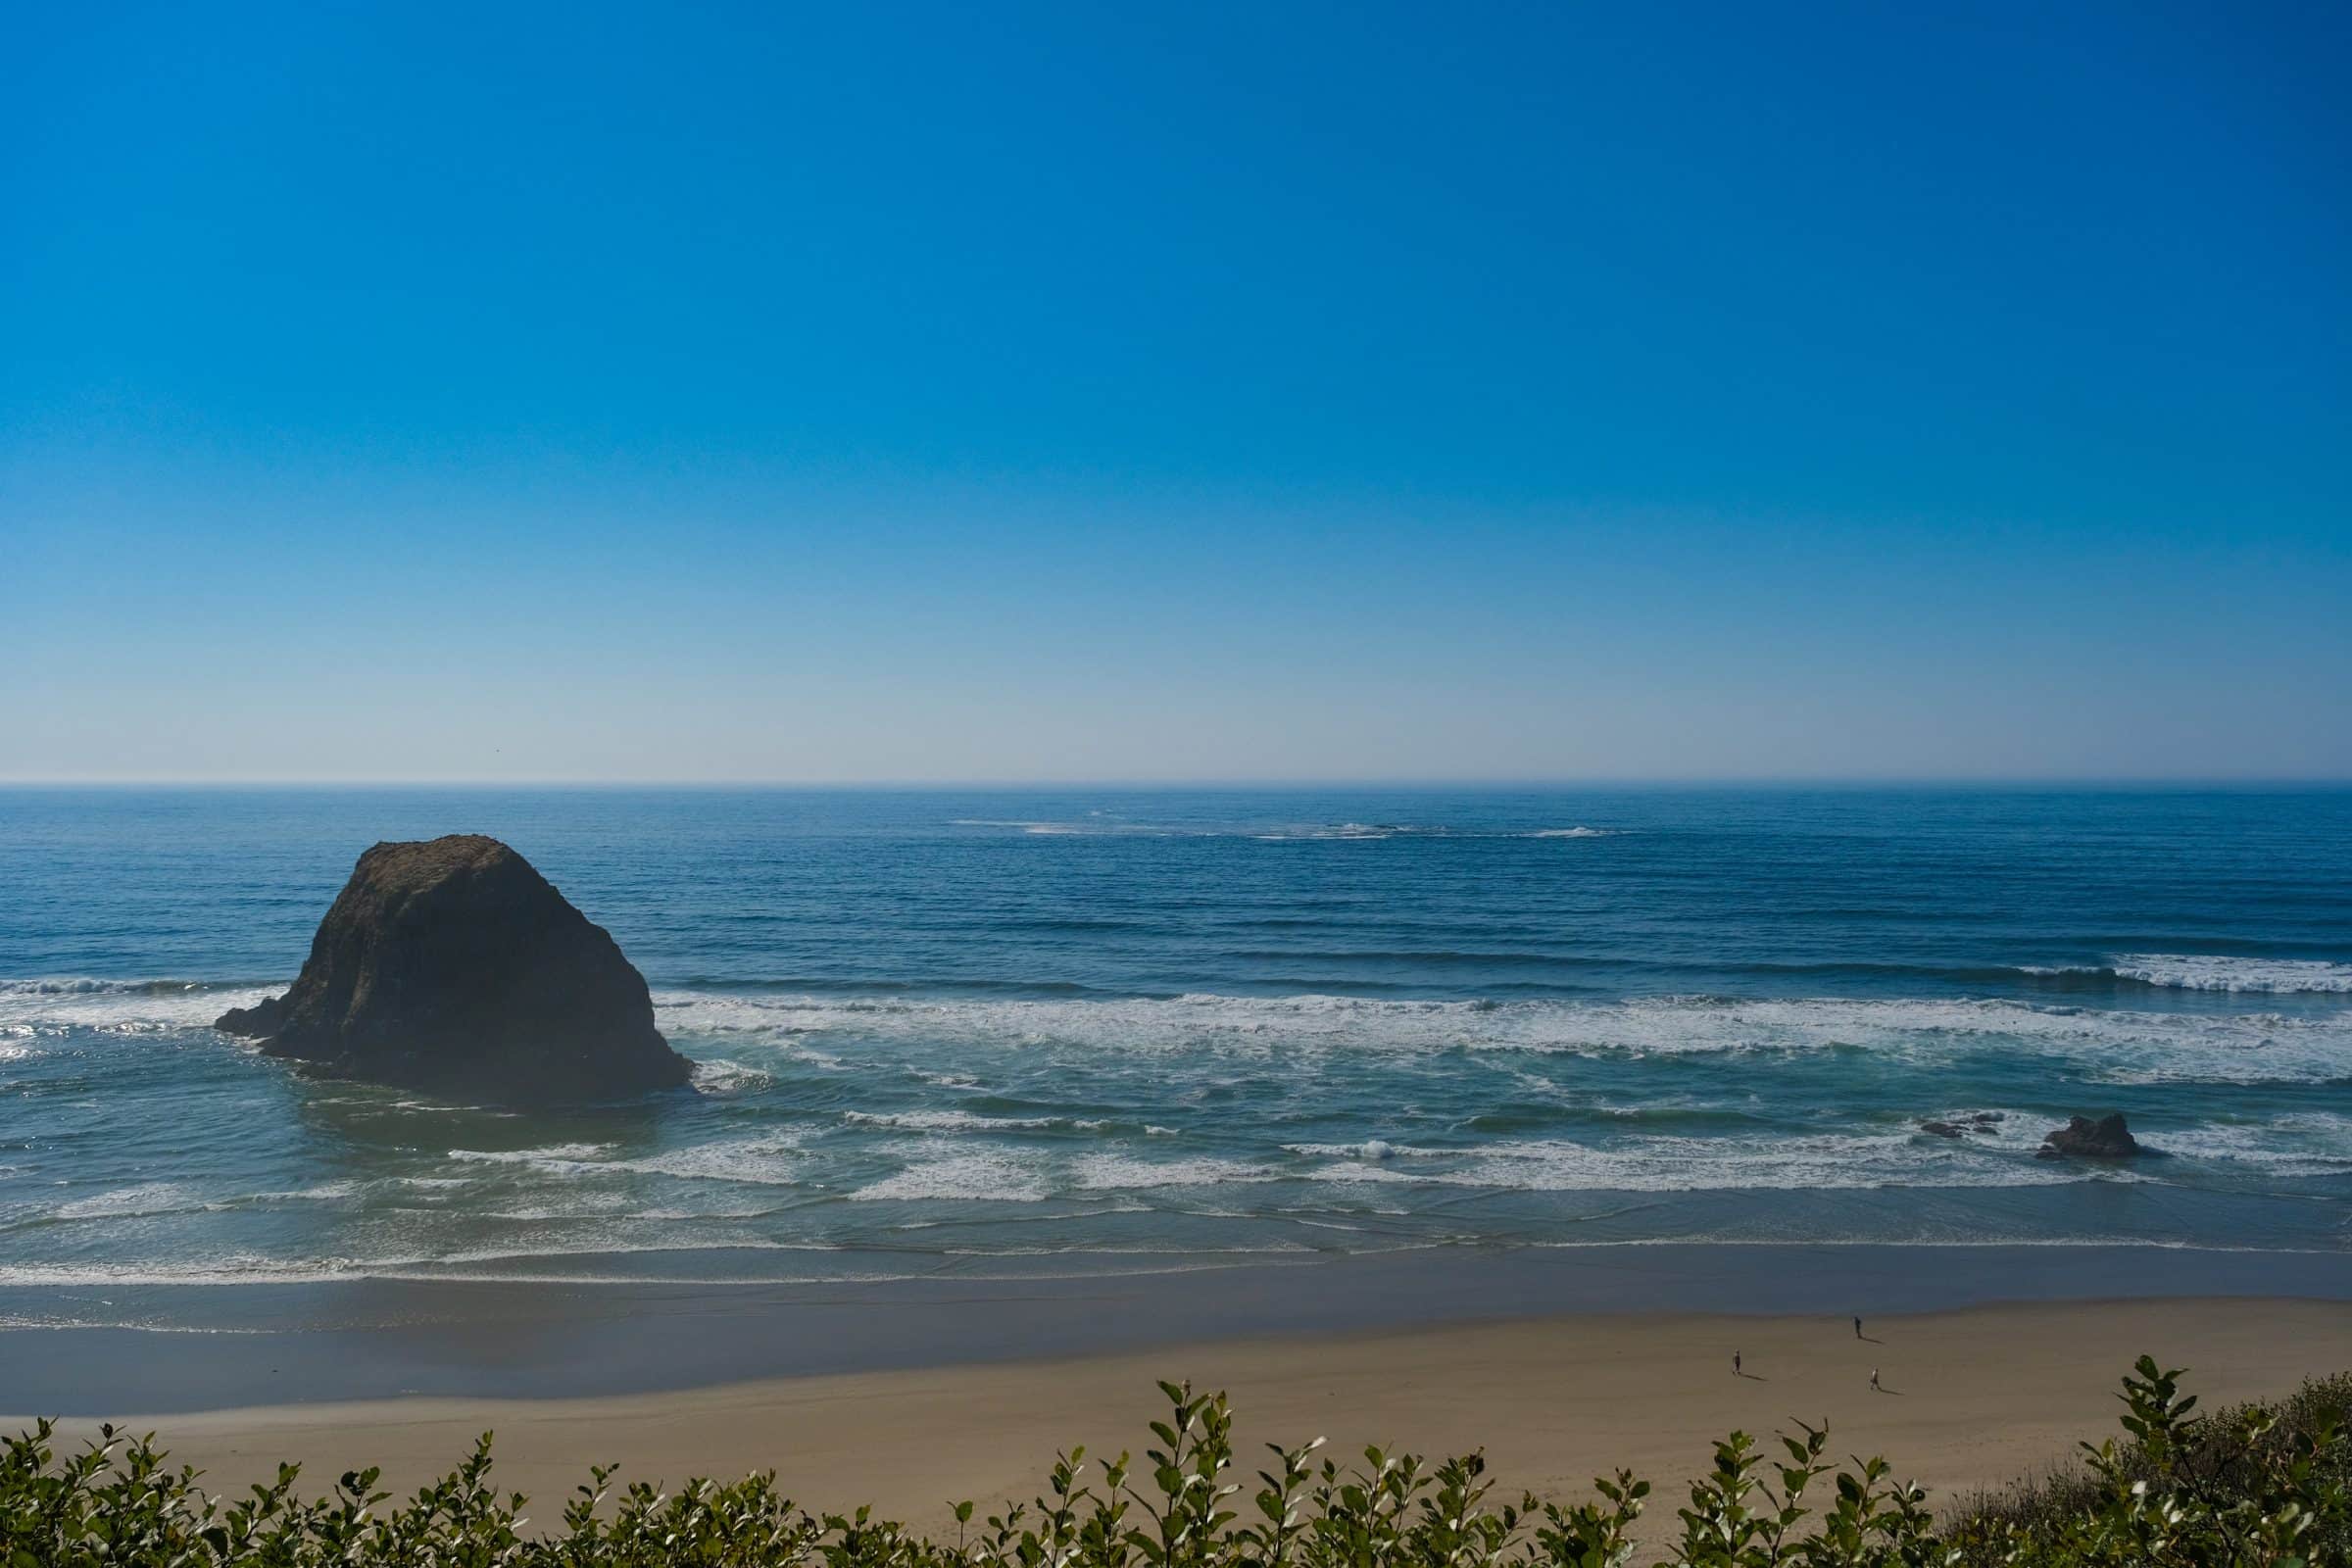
1053,1034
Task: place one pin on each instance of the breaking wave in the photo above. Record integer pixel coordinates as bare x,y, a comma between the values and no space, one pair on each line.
2216,972
2112,1044
124,1007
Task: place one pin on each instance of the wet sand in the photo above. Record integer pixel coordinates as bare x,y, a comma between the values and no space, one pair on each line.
101,1350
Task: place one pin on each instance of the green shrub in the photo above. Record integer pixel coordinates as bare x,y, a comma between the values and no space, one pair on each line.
2257,1485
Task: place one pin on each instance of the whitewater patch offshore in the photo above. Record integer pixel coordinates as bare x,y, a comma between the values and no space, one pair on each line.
120,1006
1823,1162
1100,824
2113,1043
978,1176
768,1158
2194,972
863,1133
132,1203
2125,1044
2207,972
2299,1143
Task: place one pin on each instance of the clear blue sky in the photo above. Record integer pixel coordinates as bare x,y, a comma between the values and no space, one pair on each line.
1246,392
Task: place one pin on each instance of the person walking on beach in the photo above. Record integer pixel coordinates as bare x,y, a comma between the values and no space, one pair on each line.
1858,1328
1874,1381
1736,1372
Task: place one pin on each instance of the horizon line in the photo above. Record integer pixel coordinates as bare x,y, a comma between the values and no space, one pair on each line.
1337,782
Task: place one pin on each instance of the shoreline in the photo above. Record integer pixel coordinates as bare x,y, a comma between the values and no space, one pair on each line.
99,1351
1974,1398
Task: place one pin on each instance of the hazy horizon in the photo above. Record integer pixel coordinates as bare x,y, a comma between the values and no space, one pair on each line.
1729,783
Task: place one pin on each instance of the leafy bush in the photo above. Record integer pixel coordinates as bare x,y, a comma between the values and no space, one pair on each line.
2258,1484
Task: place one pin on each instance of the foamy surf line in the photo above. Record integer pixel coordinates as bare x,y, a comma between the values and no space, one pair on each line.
974,1161
2213,972
2111,1044
957,1268
123,1005
86,986
2114,1044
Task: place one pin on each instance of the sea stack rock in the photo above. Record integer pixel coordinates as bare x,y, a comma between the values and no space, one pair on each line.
452,965
2084,1139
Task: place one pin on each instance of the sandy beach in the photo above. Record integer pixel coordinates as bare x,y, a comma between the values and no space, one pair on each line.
1972,1397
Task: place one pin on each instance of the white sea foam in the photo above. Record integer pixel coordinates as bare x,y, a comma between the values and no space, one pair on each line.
770,1160
760,1163
1113,1172
998,1177
1994,1155
34,1320
1374,1149
720,1078
2303,1143
132,1203
1811,1162
1335,830
2206,972
765,1160
2114,1044
951,1121
487,1263
558,1158
1101,823
1967,1243
119,1007
571,1204
546,1267
221,1270
323,1193
1094,1249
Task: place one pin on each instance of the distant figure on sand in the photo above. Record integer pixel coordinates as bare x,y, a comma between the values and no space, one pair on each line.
1858,1328
1874,1381
1735,1363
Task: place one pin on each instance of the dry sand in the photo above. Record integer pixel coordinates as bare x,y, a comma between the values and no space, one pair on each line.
1973,1397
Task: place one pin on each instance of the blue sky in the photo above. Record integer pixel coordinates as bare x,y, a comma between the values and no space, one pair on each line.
1121,392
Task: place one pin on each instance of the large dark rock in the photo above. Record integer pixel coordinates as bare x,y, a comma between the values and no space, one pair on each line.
2084,1139
452,965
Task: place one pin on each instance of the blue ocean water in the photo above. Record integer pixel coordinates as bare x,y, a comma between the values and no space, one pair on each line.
1005,1034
